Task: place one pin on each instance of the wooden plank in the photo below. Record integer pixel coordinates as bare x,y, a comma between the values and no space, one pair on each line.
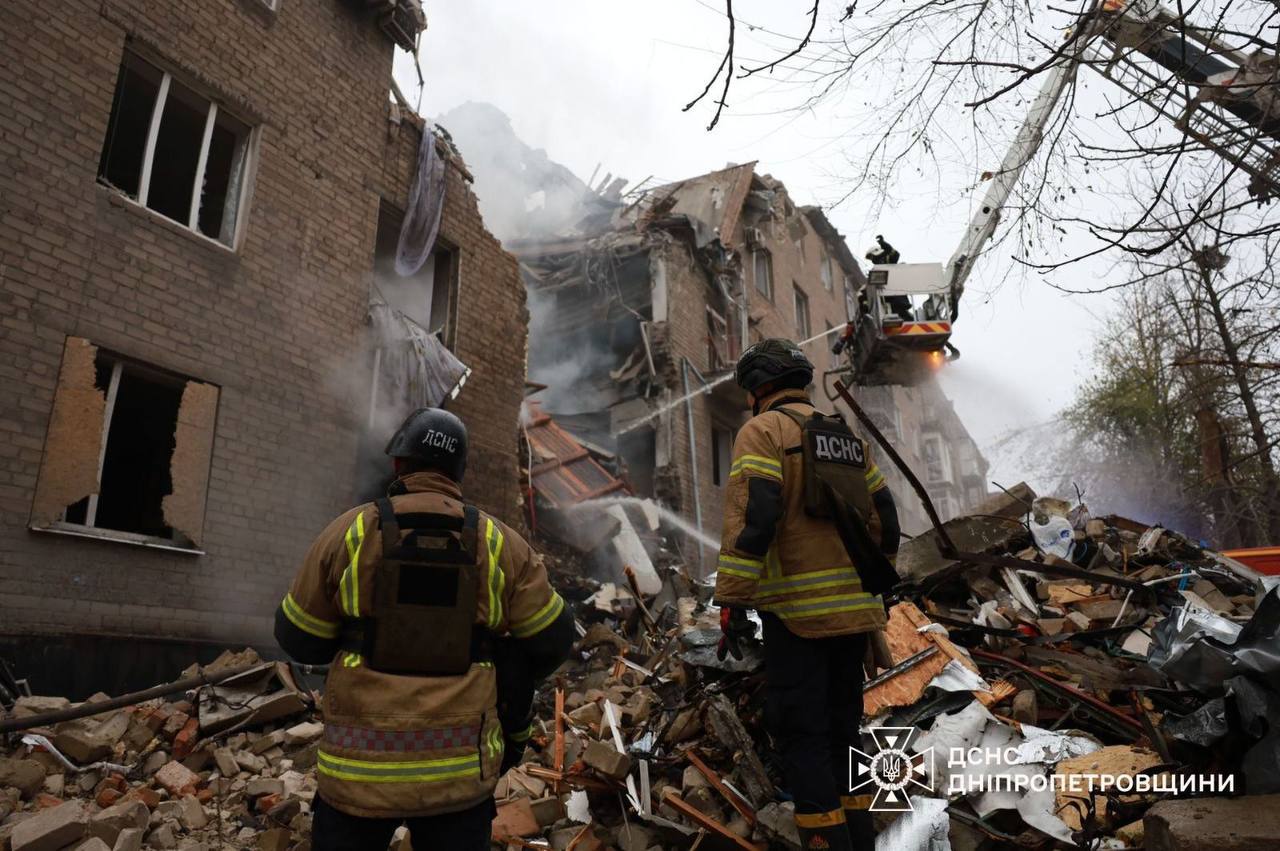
706,822
902,634
735,801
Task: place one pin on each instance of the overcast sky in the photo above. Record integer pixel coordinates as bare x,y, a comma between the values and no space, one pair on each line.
603,82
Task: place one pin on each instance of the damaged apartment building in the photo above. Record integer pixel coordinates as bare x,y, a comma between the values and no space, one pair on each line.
640,303
638,316
208,331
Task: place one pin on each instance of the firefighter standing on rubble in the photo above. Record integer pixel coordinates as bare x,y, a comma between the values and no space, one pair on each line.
796,547
411,599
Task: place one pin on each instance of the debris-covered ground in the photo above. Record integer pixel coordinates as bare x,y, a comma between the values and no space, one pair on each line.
1117,687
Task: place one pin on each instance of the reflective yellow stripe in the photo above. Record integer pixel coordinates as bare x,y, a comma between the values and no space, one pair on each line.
754,467
541,619
875,478
832,604
760,460
813,821
744,568
349,587
351,660
496,745
493,544
772,564
815,580
420,771
522,735
299,617
856,802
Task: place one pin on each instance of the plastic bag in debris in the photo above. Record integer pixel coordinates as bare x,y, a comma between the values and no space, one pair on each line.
1196,647
1053,536
426,200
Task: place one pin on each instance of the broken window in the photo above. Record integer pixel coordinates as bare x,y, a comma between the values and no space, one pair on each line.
802,314
127,451
428,297
721,455
175,151
824,269
935,459
762,271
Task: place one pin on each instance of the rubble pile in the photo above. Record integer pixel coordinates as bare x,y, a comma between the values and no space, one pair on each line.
1061,680
231,767
1054,665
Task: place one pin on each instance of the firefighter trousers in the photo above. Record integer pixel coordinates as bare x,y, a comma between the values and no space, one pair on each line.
813,710
466,830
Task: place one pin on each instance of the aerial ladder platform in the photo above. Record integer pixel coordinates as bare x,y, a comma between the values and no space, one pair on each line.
1225,100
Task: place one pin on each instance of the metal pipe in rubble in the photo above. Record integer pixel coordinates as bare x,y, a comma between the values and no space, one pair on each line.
84,710
685,366
945,543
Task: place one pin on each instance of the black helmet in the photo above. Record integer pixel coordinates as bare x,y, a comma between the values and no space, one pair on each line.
435,438
770,362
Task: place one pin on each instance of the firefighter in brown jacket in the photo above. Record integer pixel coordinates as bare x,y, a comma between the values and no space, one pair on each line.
411,599
782,557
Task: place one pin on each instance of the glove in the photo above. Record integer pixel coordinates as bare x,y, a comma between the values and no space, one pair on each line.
734,625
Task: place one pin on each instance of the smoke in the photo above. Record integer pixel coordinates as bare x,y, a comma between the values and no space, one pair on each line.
1056,460
523,193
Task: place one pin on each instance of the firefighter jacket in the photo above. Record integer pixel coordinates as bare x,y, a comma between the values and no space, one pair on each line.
773,556
398,745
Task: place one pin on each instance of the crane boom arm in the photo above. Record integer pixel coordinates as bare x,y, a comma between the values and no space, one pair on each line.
983,224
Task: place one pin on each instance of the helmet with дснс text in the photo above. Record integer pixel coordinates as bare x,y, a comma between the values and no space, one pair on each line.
435,438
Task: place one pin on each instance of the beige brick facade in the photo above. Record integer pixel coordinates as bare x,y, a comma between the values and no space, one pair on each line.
276,324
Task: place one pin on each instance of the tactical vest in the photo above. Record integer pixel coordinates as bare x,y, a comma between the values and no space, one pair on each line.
833,457
424,596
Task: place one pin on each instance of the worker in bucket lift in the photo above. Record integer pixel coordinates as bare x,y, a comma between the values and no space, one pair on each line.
437,621
880,253
803,502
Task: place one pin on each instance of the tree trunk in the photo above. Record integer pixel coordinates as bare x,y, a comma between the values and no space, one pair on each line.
1270,483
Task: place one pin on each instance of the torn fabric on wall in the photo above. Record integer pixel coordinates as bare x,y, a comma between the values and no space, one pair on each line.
413,368
426,201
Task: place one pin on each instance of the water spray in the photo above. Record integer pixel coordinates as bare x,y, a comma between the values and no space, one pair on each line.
705,388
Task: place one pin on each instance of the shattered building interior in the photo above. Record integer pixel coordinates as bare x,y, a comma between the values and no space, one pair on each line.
640,309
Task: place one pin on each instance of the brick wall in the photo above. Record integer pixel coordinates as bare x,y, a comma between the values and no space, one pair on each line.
275,324
491,326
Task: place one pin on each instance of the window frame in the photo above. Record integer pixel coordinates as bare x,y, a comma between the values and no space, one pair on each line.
800,299
756,255
721,437
184,540
941,459
826,273
247,170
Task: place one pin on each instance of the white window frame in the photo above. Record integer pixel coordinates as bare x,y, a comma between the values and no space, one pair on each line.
824,271
246,169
